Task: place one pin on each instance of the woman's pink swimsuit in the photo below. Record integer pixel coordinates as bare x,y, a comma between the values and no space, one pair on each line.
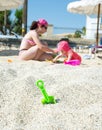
31,42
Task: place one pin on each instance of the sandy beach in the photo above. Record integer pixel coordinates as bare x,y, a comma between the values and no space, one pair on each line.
77,90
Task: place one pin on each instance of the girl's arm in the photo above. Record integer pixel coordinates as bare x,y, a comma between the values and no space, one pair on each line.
57,57
70,53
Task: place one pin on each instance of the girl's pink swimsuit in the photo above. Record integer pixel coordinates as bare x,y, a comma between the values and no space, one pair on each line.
75,56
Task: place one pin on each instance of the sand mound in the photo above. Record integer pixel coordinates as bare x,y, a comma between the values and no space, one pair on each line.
78,91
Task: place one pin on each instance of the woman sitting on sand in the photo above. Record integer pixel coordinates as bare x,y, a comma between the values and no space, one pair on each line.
31,47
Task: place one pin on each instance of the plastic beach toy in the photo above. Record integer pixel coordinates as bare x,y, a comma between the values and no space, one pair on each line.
47,99
87,56
9,60
72,62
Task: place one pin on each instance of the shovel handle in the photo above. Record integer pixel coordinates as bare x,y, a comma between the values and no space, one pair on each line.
40,85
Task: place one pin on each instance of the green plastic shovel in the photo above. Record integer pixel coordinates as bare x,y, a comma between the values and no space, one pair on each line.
47,99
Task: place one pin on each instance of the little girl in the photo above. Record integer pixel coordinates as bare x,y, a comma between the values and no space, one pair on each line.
65,50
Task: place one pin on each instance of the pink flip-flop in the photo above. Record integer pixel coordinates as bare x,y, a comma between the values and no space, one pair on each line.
72,62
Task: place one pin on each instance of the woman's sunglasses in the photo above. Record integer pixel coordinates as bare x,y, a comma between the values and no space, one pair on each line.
44,26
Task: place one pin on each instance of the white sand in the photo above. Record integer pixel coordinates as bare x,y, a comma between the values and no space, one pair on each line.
78,91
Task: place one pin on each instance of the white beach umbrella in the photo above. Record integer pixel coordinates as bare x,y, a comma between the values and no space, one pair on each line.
10,4
87,7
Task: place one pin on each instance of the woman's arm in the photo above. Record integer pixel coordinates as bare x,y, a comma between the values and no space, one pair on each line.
41,46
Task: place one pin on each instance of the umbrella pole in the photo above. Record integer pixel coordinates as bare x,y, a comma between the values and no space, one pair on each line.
97,33
5,21
24,18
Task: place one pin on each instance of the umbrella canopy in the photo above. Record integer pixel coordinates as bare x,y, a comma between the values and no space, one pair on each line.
87,7
10,4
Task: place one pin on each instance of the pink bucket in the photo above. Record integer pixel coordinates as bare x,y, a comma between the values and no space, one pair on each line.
72,62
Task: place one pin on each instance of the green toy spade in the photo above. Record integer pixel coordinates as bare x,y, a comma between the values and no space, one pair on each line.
47,99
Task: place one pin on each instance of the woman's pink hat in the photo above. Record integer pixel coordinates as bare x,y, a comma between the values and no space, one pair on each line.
63,45
43,22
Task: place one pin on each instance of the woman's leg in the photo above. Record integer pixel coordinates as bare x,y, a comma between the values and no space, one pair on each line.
31,54
34,53
46,56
